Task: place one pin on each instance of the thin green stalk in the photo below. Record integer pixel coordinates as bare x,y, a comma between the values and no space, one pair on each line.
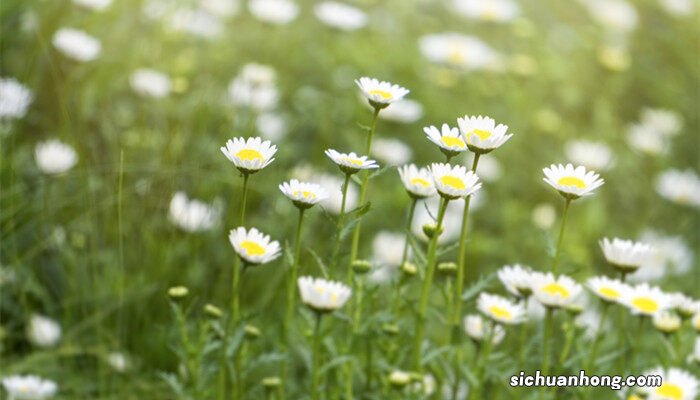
490,329
522,338
570,335
404,257
598,337
555,262
430,271
546,334
316,348
245,197
341,223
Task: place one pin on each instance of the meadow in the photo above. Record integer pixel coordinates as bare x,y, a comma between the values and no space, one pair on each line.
549,221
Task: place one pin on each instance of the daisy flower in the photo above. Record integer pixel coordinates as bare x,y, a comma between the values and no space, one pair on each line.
667,322
15,99
449,139
571,182
322,295
594,155
76,44
500,309
351,163
253,246
340,15
488,10
517,279
481,134
551,291
453,182
459,51
29,387
150,83
645,300
192,215
303,195
43,331
418,182
626,255
276,12
405,111
96,5
380,94
251,155
685,305
682,187
672,256
609,290
54,157
676,384
478,330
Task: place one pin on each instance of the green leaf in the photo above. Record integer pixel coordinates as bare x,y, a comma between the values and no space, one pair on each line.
478,286
335,362
363,126
319,261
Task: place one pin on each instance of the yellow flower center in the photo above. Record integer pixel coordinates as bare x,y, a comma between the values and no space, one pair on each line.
334,298
249,154
420,181
670,391
453,141
453,182
609,292
355,161
645,304
572,181
500,312
381,93
252,248
306,194
555,289
482,134
456,55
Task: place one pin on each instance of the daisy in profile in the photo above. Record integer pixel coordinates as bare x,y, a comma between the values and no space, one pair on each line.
448,139
249,156
380,94
417,181
686,306
625,255
672,256
517,279
54,157
481,134
192,215
551,291
453,182
681,187
29,387
304,195
322,295
500,309
646,300
253,247
350,163
571,182
667,322
478,330
76,44
676,384
609,290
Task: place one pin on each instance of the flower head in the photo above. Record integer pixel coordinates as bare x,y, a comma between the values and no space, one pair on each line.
54,157
667,322
478,330
303,195
676,384
609,290
15,99
251,155
76,44
481,134
448,139
351,163
43,331
488,10
340,15
322,295
150,83
682,187
626,255
459,51
571,182
276,12
253,246
594,155
380,94
551,291
500,309
192,215
417,181
29,387
517,279
453,182
647,300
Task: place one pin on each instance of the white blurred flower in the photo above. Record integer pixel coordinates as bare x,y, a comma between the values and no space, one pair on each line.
7,276
665,122
678,8
323,295
333,186
489,169
643,138
76,44
488,10
501,309
253,246
387,248
391,151
645,300
277,12
54,157
460,51
477,329
534,309
559,291
667,322
42,331
151,83
592,155
96,5
517,279
220,8
255,87
404,111
118,361
15,99
340,15
672,256
614,15
696,349
677,384
626,255
29,387
572,182
682,187
271,126
544,215
197,22
192,215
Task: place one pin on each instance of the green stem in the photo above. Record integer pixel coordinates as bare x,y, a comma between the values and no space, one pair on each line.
555,262
291,300
545,344
521,341
570,334
244,199
598,337
316,357
430,271
397,284
341,223
490,329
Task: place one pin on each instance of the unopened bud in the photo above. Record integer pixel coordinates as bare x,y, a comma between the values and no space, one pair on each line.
431,229
178,292
361,266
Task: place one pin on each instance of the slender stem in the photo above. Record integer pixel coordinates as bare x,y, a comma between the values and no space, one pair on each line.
316,357
546,333
555,262
490,329
430,271
521,341
244,199
598,337
291,300
341,223
397,284
570,335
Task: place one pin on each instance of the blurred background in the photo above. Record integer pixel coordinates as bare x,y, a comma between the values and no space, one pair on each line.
113,187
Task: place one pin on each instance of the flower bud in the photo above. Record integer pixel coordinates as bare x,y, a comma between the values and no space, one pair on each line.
390,329
447,268
271,382
251,332
213,311
178,292
431,229
361,266
409,268
399,378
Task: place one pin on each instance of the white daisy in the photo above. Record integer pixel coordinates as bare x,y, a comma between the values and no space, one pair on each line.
251,155
255,87
677,384
340,15
609,290
195,21
551,291
277,12
192,215
477,329
543,215
593,155
517,279
76,44
453,182
29,387
380,94
686,306
333,186
682,187
418,182
54,157
645,139
643,299
150,83
678,8
322,295
253,246
391,151
571,182
500,309
459,51
15,99
351,163
118,361
488,10
42,331
665,122
96,5
614,15
448,139
667,322
626,255
405,111
303,194
672,256
481,134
